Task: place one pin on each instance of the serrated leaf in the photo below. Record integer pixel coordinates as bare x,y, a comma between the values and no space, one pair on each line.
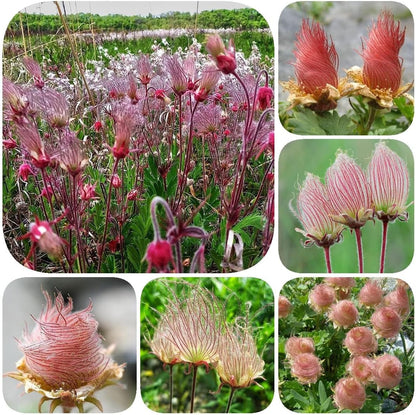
333,124
405,108
305,122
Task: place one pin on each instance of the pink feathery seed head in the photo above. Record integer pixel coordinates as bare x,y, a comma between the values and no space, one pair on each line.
33,68
343,314
342,286
17,102
71,155
348,192
386,322
163,348
314,211
360,341
297,345
387,371
349,393
398,300
321,297
285,306
64,355
159,254
144,69
25,170
380,52
176,73
53,105
306,368
316,63
361,368
371,294
209,79
389,183
224,57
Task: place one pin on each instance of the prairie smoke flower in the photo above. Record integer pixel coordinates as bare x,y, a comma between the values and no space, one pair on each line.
284,306
316,69
209,79
63,357
380,78
264,97
349,393
163,348
321,297
15,101
223,57
144,69
361,368
176,73
306,368
389,183
53,105
159,255
297,345
386,322
343,314
87,191
342,286
115,181
25,170
360,341
398,300
387,371
33,68
71,156
124,124
370,294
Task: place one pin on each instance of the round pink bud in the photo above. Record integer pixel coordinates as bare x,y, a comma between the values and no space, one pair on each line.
25,171
386,322
297,345
343,314
349,393
159,254
116,181
387,371
361,368
98,126
398,300
284,306
360,341
306,368
322,297
371,294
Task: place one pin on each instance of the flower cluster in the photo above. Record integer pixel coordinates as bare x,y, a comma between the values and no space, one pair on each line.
350,197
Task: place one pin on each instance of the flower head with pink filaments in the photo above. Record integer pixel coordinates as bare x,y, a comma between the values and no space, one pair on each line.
349,393
33,68
361,368
71,155
386,322
360,341
371,294
343,314
297,345
64,359
223,57
387,371
306,368
398,300
321,297
285,306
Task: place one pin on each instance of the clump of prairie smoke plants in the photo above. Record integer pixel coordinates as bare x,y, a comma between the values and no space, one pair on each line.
192,330
352,196
64,359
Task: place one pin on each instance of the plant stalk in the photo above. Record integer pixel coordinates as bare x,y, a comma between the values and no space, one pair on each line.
230,400
359,250
383,245
195,369
327,259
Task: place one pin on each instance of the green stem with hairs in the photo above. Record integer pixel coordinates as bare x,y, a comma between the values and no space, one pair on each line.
230,400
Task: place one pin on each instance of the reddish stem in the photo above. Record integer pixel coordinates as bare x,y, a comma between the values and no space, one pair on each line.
359,250
383,246
327,259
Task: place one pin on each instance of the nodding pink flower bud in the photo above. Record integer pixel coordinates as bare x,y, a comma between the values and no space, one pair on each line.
33,68
132,195
297,345
306,368
284,306
224,57
361,368
25,171
389,183
116,181
17,103
343,314
264,97
382,64
360,341
398,300
348,192
314,211
370,294
159,255
386,322
387,371
9,143
63,357
349,393
41,233
321,297
87,191
98,125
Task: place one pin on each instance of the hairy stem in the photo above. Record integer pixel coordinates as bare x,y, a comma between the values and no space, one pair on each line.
359,250
170,388
195,369
230,400
327,259
383,245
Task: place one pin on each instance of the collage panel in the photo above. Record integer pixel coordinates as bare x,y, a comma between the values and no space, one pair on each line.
346,344
207,345
69,344
346,68
346,206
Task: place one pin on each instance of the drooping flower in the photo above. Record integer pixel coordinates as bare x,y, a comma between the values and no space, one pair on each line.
297,345
380,79
361,368
264,97
63,357
124,123
163,348
33,68
386,322
389,183
209,79
159,255
321,297
360,341
223,57
371,294
343,314
387,371
398,300
176,73
71,155
285,306
25,170
306,368
349,393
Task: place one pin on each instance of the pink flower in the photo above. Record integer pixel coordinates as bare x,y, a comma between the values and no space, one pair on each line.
348,192
116,181
343,314
306,368
349,393
371,294
63,357
284,306
297,345
386,322
209,79
87,191
25,171
264,97
223,57
342,286
360,341
159,255
98,125
389,184
34,69
321,297
387,371
361,368
398,300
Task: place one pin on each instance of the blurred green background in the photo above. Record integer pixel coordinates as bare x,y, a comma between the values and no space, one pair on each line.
315,156
240,295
